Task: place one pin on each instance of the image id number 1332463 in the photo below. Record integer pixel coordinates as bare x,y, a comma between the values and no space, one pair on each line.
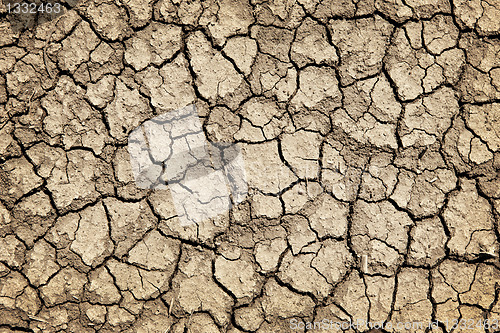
33,8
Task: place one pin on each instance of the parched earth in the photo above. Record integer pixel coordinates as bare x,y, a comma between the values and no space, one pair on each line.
371,136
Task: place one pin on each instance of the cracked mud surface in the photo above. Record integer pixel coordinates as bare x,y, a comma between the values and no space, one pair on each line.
371,136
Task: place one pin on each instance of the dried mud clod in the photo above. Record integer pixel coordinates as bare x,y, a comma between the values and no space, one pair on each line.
370,132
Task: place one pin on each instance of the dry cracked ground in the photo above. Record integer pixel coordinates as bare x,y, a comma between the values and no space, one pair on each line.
371,135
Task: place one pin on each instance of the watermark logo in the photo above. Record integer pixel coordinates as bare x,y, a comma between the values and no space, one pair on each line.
205,179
